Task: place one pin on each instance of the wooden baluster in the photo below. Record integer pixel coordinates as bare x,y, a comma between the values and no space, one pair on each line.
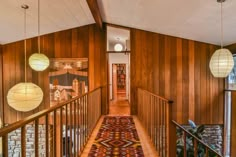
195,147
46,136
167,133
161,128
155,121
158,127
83,115
78,133
185,147
5,145
207,152
23,141
61,130
55,133
80,124
66,131
86,118
36,137
70,144
74,127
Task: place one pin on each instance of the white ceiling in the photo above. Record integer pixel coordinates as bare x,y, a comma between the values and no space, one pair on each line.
56,15
191,19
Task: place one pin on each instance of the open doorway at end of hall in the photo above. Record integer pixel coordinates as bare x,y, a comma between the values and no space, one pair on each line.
119,79
119,82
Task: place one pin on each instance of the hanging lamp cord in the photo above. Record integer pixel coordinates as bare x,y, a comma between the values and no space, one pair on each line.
38,26
25,7
221,22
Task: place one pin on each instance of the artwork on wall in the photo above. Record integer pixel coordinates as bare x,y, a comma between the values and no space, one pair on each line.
68,78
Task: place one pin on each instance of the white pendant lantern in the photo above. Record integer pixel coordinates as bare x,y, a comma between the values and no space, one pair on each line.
118,47
25,96
221,63
38,61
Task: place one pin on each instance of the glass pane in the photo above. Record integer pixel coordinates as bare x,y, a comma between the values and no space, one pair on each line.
232,77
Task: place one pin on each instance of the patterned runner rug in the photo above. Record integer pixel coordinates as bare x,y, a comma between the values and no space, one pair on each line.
117,137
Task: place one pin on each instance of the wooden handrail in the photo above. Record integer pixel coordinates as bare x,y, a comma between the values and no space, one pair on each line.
64,128
154,112
37,115
158,96
196,138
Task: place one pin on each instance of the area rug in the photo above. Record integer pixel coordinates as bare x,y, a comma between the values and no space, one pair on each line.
117,137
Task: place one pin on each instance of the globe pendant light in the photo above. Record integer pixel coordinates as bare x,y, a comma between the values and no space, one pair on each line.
38,61
222,62
25,96
118,47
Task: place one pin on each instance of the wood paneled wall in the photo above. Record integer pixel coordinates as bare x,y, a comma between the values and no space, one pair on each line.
87,41
177,69
1,92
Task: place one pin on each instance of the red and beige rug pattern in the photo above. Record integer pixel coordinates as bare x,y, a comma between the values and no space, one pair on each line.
117,137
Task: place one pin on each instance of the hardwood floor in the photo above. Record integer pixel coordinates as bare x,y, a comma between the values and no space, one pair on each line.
121,107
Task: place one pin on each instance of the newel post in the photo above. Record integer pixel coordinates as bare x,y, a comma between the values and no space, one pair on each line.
172,133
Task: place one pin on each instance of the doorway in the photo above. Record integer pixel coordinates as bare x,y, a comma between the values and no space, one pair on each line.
118,49
119,81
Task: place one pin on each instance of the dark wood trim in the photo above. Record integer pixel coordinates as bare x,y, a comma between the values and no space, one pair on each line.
93,6
117,26
119,52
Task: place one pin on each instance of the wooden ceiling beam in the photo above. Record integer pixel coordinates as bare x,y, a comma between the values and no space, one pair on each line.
93,6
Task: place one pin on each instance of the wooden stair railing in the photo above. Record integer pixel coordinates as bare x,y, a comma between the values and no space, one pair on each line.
67,125
154,112
196,141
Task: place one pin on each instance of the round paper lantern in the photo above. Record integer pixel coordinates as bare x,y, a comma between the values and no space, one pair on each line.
38,61
25,96
221,63
118,47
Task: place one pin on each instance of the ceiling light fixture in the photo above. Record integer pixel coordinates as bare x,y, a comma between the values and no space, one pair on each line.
25,96
118,47
221,63
38,61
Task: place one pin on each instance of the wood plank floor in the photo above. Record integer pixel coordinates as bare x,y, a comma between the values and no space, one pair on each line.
120,108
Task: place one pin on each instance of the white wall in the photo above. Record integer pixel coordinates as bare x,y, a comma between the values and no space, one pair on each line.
120,58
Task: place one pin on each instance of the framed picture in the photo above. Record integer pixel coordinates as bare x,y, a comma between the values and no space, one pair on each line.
68,78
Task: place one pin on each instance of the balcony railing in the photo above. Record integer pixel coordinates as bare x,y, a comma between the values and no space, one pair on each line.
205,150
61,130
154,112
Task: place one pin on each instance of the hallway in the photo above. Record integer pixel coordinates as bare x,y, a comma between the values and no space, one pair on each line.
121,108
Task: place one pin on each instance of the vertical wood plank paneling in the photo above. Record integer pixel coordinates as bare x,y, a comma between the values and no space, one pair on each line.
175,72
197,78
91,57
185,85
154,58
155,61
1,87
77,42
167,66
162,67
181,74
179,81
203,91
191,80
